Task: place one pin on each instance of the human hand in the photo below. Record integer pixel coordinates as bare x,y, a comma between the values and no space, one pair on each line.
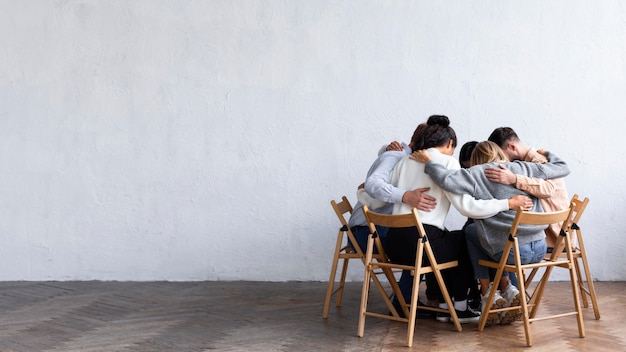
520,201
394,146
500,175
420,200
421,156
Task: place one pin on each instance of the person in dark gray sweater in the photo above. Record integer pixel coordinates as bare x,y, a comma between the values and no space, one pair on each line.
487,237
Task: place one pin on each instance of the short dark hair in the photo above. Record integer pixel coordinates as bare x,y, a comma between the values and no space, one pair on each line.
501,135
466,152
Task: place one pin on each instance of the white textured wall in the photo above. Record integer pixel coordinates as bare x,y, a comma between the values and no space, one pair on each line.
203,140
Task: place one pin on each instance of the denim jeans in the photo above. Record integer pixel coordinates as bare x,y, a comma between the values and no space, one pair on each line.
361,234
531,252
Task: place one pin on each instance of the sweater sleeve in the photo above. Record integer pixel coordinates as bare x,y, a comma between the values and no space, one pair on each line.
378,182
455,181
477,208
537,187
555,168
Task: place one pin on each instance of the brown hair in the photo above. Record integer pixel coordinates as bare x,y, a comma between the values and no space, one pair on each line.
486,152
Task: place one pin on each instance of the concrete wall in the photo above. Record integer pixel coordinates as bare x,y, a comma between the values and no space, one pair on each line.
203,140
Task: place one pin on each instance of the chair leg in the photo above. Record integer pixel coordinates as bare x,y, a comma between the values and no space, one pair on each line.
590,288
442,285
333,271
581,284
492,293
577,305
395,288
523,303
363,308
366,285
342,281
413,312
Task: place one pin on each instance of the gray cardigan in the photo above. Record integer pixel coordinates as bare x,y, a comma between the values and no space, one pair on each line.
493,232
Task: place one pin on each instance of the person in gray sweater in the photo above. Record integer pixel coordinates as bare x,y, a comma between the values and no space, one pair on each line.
486,238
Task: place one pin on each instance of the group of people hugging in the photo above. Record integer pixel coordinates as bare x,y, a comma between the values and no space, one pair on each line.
489,182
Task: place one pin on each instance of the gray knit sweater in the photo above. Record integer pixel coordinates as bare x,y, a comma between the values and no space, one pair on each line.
493,232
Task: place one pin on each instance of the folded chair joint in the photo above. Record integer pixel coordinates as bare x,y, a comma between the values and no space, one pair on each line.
344,228
511,238
575,226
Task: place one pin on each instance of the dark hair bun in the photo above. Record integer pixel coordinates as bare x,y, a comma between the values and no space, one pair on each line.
440,120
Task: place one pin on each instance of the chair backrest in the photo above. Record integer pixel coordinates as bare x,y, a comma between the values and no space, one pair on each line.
579,207
394,221
342,209
540,218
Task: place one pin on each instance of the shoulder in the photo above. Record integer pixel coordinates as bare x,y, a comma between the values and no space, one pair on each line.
534,157
447,160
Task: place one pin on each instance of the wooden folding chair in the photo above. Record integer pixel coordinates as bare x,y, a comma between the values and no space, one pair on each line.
343,251
423,248
530,303
585,282
587,289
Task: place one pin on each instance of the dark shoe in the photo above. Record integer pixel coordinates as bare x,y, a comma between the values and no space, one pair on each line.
468,316
421,314
425,314
443,317
398,307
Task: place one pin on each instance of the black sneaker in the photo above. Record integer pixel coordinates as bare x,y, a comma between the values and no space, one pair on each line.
421,314
443,317
398,307
468,316
425,314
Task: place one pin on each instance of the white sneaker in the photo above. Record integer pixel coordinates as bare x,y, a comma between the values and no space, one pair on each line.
511,295
498,302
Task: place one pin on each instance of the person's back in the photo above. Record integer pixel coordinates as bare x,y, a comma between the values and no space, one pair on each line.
406,175
492,228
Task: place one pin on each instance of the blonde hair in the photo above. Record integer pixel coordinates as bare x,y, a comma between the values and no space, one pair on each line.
487,152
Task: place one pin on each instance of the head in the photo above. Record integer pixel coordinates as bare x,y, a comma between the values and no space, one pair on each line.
507,139
417,134
487,152
436,133
466,154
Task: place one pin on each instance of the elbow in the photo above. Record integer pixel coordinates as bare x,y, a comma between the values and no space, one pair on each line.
369,186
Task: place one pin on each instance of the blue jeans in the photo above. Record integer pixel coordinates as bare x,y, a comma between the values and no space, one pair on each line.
532,252
361,234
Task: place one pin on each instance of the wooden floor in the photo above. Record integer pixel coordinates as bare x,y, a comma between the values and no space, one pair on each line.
262,316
